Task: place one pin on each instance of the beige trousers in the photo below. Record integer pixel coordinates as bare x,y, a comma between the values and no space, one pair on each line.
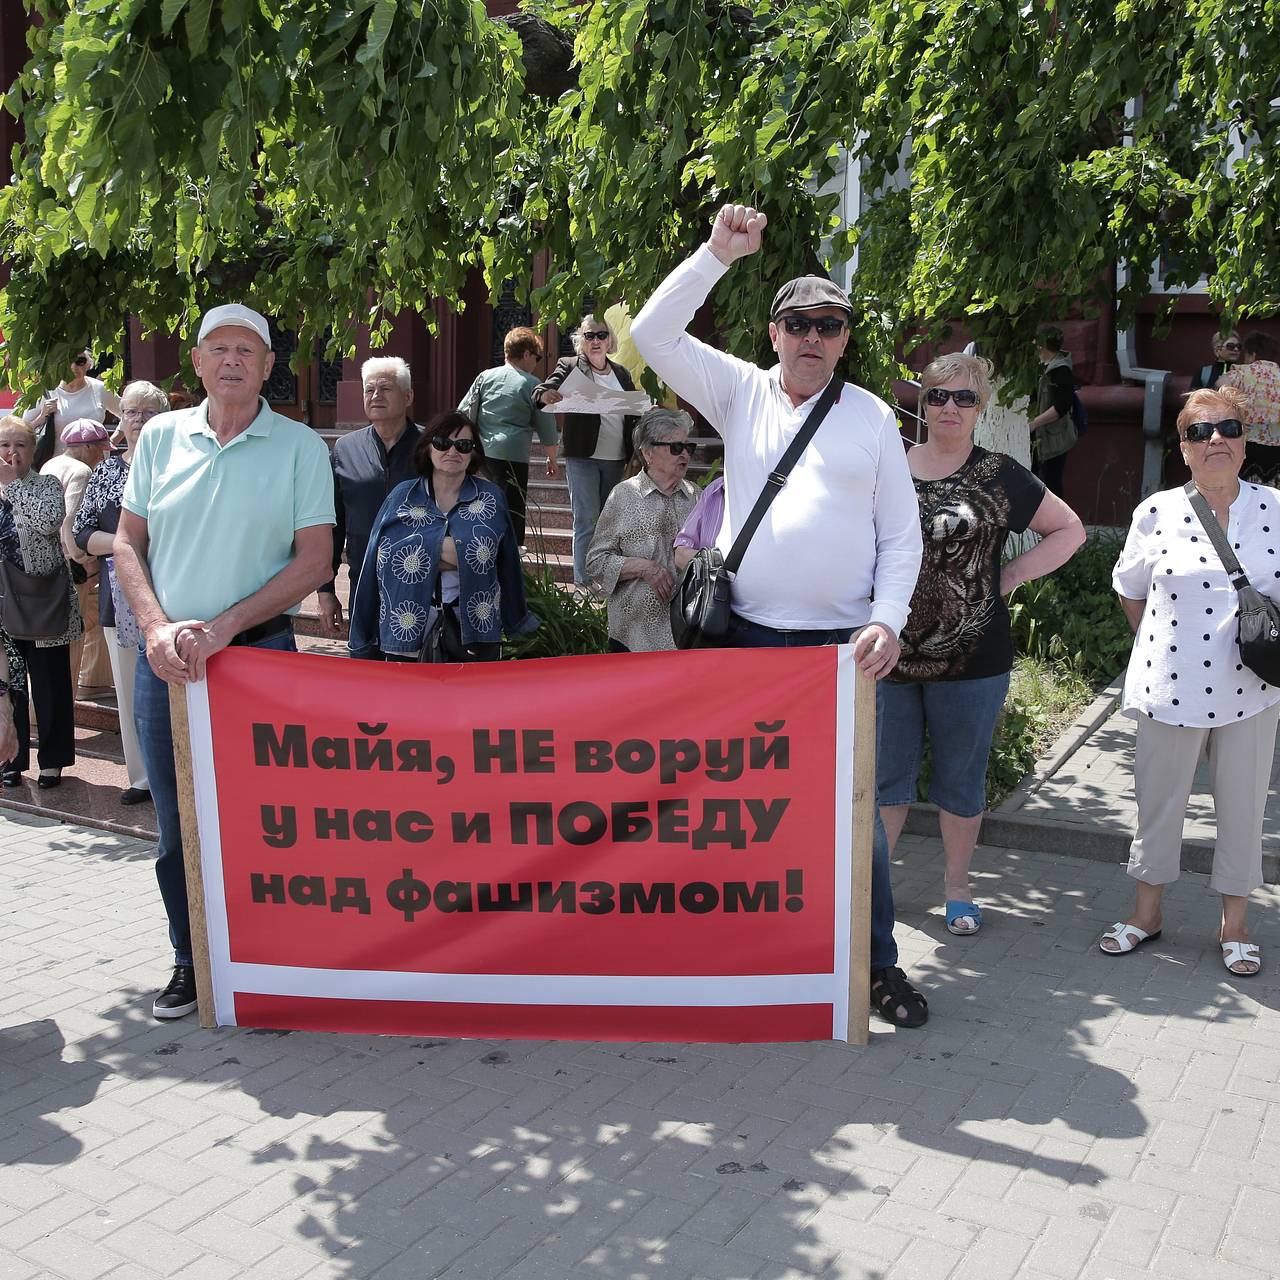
122,666
1239,757
90,662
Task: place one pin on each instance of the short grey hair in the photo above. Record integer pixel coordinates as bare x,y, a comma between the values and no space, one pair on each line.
977,369
590,321
659,424
146,395
394,365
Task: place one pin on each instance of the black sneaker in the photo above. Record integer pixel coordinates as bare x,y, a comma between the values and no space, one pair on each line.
179,998
135,795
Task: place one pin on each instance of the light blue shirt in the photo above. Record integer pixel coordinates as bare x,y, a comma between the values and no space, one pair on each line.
221,518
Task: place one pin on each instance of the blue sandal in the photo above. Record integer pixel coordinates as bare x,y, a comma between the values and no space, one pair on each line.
957,911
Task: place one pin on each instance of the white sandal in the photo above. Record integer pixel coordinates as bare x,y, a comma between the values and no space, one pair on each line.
1248,952
1127,937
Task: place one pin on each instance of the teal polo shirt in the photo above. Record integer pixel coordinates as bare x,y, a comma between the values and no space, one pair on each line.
221,518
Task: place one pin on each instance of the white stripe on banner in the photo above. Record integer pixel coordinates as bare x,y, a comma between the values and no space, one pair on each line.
522,988
846,676
215,898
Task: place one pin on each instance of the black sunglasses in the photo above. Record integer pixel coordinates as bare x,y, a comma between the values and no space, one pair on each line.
81,360
445,443
600,335
938,396
1228,429
827,326
677,446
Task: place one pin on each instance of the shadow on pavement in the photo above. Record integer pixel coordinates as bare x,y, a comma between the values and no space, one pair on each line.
540,1160
37,1083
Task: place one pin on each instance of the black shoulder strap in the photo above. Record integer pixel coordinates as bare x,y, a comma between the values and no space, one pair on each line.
1237,575
778,476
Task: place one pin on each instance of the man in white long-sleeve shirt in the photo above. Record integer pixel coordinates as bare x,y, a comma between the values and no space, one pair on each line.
839,549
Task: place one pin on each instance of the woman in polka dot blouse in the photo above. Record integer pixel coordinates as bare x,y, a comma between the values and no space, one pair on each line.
1186,685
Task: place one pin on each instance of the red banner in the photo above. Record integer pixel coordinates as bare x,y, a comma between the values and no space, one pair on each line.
637,847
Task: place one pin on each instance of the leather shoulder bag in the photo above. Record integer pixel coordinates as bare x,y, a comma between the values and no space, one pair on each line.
34,607
700,603
1258,618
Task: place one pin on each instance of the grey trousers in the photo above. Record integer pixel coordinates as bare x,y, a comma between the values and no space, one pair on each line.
1239,758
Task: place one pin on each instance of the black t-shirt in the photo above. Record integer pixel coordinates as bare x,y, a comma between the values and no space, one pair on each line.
958,628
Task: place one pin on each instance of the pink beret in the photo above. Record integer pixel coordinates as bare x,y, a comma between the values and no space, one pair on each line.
84,431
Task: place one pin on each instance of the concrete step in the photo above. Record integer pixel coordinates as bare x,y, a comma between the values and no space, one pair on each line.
98,713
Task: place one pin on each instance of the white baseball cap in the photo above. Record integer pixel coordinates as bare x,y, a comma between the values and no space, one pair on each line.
236,314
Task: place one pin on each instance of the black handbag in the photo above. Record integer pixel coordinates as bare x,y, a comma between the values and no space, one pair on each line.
443,641
34,606
700,602
1258,618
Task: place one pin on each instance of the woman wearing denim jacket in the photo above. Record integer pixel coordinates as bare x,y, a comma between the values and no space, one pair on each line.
441,541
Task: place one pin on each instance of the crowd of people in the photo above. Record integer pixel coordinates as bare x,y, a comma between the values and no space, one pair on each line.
214,522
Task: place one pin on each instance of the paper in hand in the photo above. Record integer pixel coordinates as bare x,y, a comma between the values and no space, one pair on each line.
585,395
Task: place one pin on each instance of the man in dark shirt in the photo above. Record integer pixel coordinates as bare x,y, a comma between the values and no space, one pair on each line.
367,465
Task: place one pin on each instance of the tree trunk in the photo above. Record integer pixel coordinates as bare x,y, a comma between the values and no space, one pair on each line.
1003,429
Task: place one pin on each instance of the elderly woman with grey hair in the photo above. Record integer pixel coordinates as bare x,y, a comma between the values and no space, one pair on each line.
94,532
594,446
631,561
957,647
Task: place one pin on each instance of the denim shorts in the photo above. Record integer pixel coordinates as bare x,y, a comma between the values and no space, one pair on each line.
960,719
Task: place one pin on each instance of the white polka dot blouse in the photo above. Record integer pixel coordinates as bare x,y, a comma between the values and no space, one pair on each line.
1185,668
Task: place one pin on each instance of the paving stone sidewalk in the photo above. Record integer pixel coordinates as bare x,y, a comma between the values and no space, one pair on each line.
1093,790
1064,1114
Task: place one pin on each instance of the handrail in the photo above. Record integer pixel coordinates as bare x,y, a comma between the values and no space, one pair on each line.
913,382
1154,382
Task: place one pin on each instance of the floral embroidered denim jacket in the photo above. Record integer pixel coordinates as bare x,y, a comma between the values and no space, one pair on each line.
392,609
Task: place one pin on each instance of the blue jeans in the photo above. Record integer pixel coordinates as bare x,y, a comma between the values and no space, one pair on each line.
960,719
590,483
755,635
155,738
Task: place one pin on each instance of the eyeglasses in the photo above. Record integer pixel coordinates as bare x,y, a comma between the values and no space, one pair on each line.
1230,346
1228,429
677,447
81,360
445,443
595,335
137,415
827,326
938,396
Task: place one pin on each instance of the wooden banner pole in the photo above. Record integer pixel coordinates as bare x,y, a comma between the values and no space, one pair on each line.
864,817
191,851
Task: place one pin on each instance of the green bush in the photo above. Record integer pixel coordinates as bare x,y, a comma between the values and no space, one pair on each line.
1073,616
570,622
1070,637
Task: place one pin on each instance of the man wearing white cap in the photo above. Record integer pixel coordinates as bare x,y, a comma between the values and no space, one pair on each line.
837,554
227,525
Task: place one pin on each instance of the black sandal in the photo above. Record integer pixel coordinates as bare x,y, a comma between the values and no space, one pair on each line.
896,1000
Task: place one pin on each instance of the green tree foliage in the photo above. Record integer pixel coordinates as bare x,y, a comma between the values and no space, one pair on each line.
325,161
347,162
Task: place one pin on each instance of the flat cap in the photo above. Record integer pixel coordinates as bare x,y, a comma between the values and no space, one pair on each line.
84,431
804,293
